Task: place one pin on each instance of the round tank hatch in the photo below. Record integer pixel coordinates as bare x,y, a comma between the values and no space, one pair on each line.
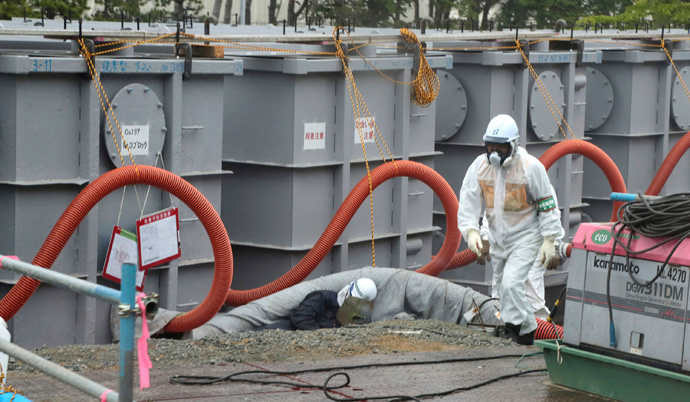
680,105
540,114
139,114
451,106
599,99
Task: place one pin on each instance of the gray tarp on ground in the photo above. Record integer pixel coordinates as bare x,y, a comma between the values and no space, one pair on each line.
419,295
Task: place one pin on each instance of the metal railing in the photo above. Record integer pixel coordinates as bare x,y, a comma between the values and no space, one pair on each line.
126,302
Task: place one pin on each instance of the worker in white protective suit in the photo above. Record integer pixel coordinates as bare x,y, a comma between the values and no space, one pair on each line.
534,288
522,217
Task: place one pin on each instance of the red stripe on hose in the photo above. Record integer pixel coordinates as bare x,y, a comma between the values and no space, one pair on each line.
345,213
545,330
96,191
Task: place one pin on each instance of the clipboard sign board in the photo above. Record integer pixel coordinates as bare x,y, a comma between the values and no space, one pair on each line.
122,248
159,238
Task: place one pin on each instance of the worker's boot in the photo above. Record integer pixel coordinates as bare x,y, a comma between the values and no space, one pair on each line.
512,332
526,339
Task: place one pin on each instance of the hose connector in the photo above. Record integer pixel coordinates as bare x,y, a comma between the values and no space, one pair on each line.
150,305
564,250
612,335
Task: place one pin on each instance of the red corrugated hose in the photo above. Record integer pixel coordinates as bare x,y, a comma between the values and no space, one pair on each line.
668,165
347,210
96,191
596,155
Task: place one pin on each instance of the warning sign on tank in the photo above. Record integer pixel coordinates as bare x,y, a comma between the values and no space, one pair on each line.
366,128
314,136
137,138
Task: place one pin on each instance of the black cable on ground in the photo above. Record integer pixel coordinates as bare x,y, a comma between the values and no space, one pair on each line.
206,380
419,397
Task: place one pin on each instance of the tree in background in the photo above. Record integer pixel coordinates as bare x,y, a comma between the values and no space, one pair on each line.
64,8
662,12
543,13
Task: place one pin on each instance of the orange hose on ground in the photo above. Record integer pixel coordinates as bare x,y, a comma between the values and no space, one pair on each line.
668,165
596,155
345,213
96,191
547,330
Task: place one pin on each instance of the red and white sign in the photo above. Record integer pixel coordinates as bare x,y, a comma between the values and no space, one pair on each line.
314,136
122,249
159,238
368,130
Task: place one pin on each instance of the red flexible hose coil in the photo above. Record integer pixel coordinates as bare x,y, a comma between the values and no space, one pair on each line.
345,213
96,191
545,330
597,156
668,165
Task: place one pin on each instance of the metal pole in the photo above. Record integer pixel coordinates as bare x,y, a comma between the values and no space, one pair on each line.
127,302
138,21
63,281
122,19
243,10
60,373
284,21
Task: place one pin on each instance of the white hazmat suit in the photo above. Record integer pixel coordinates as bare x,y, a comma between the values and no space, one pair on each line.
534,288
521,213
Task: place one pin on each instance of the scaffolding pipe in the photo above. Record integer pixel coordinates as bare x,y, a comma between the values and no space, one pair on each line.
60,373
126,301
129,278
61,280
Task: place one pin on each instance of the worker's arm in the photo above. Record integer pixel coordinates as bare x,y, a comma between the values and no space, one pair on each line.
470,200
313,305
543,194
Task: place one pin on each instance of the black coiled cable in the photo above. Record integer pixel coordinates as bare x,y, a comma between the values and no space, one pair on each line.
665,217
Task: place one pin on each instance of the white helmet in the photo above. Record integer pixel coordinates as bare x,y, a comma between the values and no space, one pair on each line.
363,288
502,129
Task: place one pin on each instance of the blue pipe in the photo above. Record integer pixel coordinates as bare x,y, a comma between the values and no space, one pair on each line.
127,289
62,280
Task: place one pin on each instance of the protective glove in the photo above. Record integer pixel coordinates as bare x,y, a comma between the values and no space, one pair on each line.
547,254
482,259
474,241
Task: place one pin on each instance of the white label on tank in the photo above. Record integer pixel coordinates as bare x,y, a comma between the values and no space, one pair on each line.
137,138
636,351
368,130
314,136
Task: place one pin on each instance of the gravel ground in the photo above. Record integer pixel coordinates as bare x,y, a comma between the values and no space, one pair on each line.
384,337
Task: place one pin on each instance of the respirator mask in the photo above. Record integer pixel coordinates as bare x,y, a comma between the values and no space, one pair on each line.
497,158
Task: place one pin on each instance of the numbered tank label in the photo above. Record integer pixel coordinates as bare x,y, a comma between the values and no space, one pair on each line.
314,136
137,138
365,129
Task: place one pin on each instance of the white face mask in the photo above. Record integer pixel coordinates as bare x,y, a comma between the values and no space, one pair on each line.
495,159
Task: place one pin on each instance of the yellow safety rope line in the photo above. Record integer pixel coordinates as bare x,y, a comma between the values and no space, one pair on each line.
426,84
682,82
135,44
99,88
546,95
474,48
357,101
253,47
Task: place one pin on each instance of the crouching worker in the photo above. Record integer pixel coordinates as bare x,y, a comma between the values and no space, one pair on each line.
328,309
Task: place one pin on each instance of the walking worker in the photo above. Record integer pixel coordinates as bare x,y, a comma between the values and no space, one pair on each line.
523,220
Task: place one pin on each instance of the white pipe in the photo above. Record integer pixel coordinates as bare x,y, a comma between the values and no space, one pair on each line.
243,10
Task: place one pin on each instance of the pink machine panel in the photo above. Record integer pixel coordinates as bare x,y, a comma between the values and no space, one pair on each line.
597,237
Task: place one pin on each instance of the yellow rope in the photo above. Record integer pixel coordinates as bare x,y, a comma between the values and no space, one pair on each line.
356,110
135,44
426,85
546,95
99,88
682,82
